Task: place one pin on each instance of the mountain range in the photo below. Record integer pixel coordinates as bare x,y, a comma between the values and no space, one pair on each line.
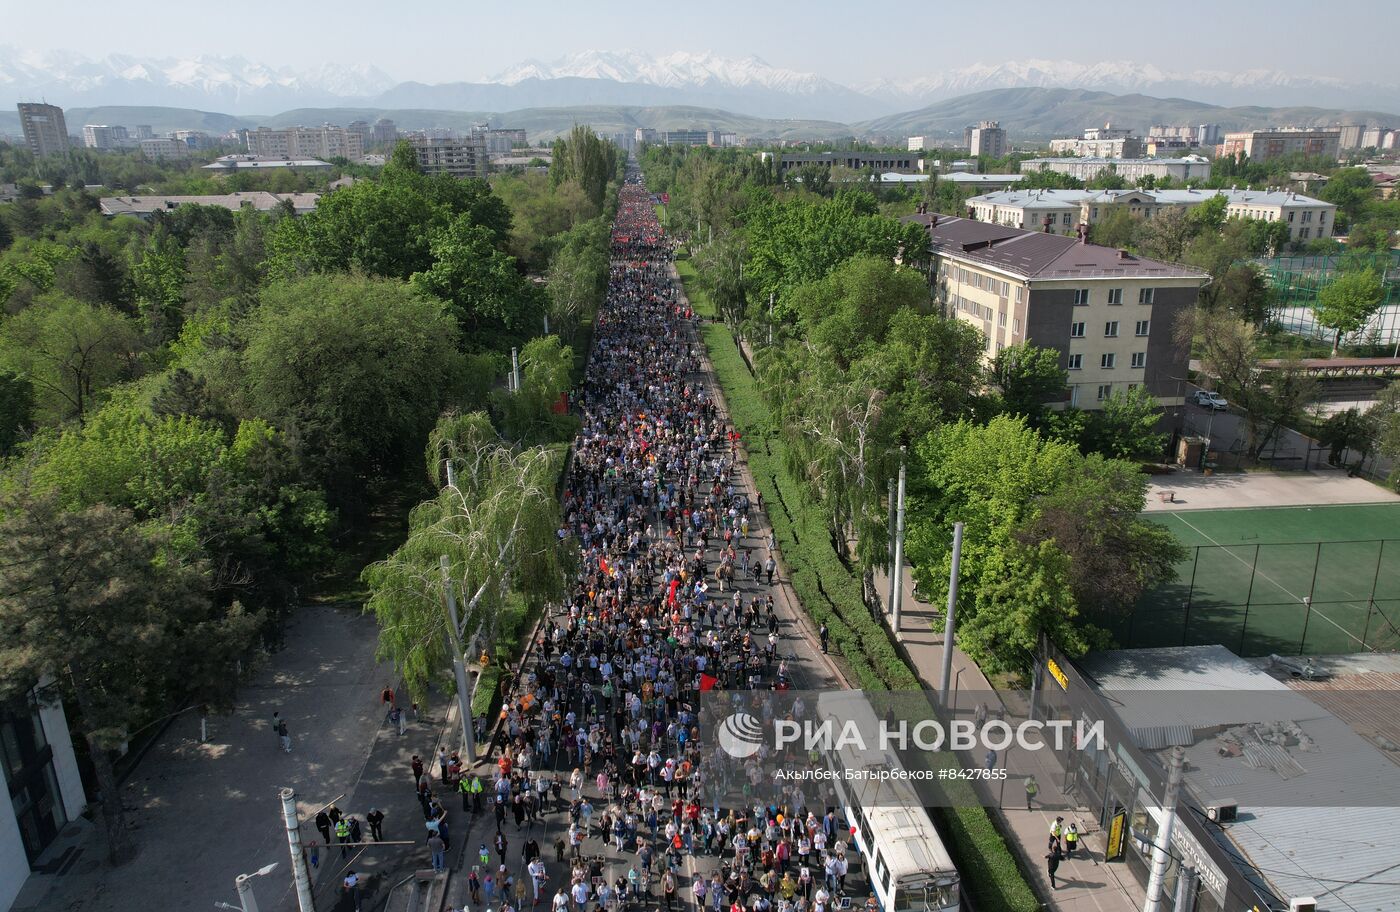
748,86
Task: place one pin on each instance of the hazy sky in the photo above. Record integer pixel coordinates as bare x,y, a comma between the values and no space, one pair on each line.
446,40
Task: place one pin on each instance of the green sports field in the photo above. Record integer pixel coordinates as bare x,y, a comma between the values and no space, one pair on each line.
1287,580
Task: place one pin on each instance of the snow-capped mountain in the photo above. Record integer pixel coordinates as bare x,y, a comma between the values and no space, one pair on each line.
1258,86
680,70
232,83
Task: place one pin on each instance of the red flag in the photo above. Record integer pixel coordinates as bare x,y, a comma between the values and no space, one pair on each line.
708,682
671,595
603,565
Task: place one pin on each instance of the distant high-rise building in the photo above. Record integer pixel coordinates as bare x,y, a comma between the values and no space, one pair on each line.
306,142
988,138
1350,136
143,131
645,136
363,129
498,140
685,138
45,131
385,133
1262,145
160,149
98,136
1208,134
457,157
917,143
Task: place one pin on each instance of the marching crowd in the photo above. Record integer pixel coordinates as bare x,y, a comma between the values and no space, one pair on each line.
673,600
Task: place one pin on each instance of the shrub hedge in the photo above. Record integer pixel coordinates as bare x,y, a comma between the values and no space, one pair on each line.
830,593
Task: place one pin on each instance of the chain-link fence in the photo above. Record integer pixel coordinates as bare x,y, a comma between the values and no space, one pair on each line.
1310,598
1297,280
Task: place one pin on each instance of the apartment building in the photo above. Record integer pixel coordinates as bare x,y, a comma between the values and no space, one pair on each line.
917,143
1061,211
457,157
45,131
1130,169
988,138
306,142
902,162
1108,313
163,149
685,138
499,140
1101,142
102,136
384,133
1262,145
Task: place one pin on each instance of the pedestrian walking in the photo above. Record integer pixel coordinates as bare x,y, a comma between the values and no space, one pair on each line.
351,887
314,850
342,836
991,761
416,764
439,852
284,736
323,824
1057,829
355,832
375,819
1032,789
1052,864
769,565
825,636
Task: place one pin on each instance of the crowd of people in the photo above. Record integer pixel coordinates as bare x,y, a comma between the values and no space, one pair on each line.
673,605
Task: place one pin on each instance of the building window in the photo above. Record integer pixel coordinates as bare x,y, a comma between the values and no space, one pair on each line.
1001,319
1307,217
1145,295
1110,329
1020,293
1304,233
1076,362
1076,330
1290,216
1139,359
1015,324
1115,296
1105,390
1142,327
1108,361
1081,296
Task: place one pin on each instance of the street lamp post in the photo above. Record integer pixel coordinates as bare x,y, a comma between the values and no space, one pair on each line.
247,902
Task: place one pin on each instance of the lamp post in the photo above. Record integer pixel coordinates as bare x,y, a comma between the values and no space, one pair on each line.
247,902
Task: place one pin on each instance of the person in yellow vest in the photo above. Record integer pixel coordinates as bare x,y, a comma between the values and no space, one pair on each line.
342,835
1071,840
1057,829
1032,789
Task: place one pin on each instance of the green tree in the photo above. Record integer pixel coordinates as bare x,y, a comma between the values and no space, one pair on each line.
1350,189
1348,302
528,414
16,410
1120,229
851,307
1028,378
1384,417
70,351
497,527
360,367
106,609
1126,427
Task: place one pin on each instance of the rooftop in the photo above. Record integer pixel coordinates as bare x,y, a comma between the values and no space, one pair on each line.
240,162
965,177
1258,741
1092,160
258,199
1059,199
1039,255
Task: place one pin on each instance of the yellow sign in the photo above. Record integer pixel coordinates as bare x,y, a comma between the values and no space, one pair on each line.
1115,837
1058,674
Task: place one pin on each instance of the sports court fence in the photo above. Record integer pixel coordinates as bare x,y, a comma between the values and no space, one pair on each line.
1308,598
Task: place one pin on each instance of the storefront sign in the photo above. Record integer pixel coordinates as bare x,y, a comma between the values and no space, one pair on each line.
1116,827
1058,674
1193,855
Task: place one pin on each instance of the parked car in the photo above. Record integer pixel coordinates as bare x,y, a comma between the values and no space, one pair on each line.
1210,400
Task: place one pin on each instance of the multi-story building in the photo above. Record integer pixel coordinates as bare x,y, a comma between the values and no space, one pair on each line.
1062,211
685,138
1108,313
161,149
237,164
1101,142
384,134
1378,138
1180,169
498,140
1262,145
1350,136
457,157
718,139
45,131
195,139
988,138
880,162
364,130
306,142
645,136
917,143
45,787
1208,134
100,136
142,131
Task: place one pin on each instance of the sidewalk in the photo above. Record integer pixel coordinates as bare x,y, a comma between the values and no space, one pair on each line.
203,813
1086,883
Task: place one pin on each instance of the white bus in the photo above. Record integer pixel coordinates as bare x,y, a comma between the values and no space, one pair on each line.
909,867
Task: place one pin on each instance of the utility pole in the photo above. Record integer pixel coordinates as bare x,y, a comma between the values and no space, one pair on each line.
246,900
770,318
952,603
515,370
305,902
1185,890
459,671
889,564
546,324
897,572
1161,849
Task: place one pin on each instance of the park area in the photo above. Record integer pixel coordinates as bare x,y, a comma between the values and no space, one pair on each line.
1287,580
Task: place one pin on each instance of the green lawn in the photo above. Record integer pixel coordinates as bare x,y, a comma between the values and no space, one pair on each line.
699,299
1250,575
